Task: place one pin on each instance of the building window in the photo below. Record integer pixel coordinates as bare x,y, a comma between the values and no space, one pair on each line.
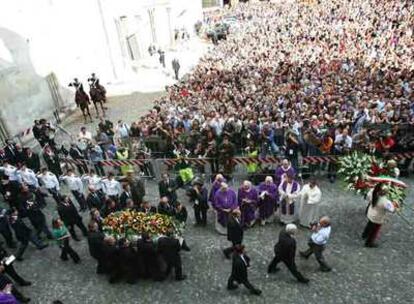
133,48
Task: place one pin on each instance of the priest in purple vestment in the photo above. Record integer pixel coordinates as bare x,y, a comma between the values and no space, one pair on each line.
247,198
283,170
215,186
289,190
268,197
225,201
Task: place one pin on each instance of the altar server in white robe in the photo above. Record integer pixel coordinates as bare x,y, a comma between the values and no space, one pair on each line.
309,204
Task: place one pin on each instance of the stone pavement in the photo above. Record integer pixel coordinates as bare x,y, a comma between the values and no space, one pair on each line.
360,275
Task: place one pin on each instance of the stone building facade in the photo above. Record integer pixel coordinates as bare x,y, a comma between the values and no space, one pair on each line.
44,44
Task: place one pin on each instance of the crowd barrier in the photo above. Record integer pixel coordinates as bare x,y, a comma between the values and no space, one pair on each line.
202,165
236,160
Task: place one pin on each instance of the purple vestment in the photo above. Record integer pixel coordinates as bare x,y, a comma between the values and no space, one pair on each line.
286,208
224,200
281,173
268,201
8,299
248,204
215,186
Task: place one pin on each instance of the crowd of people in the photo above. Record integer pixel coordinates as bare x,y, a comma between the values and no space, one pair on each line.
285,83
317,78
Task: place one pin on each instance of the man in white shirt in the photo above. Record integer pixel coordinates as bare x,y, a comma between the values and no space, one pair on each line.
10,171
93,180
75,185
51,183
28,177
111,187
318,241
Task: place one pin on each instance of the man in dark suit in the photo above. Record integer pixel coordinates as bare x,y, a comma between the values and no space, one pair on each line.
10,151
164,207
111,259
147,208
32,160
169,248
127,261
23,234
180,213
239,271
125,195
167,187
176,67
77,154
148,259
5,228
33,211
285,251
137,188
20,155
9,269
95,242
199,198
234,232
95,199
70,216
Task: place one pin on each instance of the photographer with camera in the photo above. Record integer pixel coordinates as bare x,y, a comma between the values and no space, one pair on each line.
318,241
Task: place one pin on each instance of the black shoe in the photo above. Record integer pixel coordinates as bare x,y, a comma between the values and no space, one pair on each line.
363,236
25,283
273,270
371,245
182,278
19,259
226,254
185,247
303,254
233,287
304,281
256,292
12,246
64,259
325,269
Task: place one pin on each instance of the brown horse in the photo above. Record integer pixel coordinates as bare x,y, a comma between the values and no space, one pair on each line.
82,101
98,96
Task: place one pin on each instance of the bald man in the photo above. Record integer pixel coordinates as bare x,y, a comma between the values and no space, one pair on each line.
318,241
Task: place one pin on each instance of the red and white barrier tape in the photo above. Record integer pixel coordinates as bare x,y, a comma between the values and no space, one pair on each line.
313,160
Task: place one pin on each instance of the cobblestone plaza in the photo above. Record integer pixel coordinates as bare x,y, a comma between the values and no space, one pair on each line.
360,275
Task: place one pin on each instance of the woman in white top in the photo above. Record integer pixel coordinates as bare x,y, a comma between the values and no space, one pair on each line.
376,213
309,204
